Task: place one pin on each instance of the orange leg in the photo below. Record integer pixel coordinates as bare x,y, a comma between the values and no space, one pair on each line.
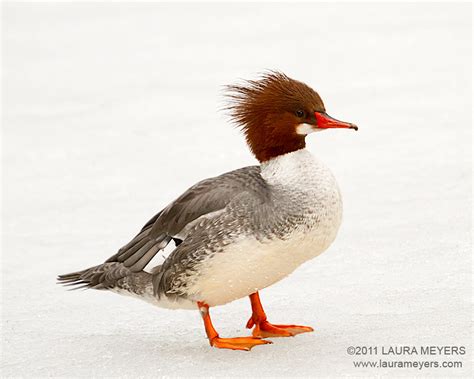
264,329
237,343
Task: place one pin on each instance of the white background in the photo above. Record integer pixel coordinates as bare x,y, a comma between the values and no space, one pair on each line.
111,111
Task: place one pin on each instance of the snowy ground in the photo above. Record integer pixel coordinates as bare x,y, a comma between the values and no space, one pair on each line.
110,111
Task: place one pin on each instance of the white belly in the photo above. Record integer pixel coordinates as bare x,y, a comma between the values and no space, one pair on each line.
249,265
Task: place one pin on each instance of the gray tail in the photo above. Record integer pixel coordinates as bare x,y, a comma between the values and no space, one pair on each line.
123,270
108,276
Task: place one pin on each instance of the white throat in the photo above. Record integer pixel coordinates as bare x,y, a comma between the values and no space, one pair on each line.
295,167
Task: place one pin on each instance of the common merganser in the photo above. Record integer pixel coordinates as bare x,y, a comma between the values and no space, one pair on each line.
244,230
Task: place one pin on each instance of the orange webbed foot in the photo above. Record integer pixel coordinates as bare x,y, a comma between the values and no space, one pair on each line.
264,329
237,343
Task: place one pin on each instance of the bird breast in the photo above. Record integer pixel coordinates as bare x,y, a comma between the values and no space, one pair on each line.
308,204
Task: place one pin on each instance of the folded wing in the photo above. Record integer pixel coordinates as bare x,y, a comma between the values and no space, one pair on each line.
204,199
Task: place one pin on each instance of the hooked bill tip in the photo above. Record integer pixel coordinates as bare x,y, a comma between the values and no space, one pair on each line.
355,127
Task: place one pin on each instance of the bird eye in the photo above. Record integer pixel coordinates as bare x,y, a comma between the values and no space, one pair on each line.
299,113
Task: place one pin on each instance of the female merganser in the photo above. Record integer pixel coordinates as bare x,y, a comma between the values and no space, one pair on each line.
244,230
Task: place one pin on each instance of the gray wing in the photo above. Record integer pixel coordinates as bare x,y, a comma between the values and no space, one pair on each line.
209,236
204,198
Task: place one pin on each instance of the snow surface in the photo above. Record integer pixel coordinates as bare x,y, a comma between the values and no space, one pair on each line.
111,111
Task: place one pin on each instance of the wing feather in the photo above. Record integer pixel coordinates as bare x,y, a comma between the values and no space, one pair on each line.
204,198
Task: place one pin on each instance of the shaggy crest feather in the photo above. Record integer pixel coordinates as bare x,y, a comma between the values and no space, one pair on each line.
264,110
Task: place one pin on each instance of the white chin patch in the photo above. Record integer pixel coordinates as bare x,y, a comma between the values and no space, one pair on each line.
305,129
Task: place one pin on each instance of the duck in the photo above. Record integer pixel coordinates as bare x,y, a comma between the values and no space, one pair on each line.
242,231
